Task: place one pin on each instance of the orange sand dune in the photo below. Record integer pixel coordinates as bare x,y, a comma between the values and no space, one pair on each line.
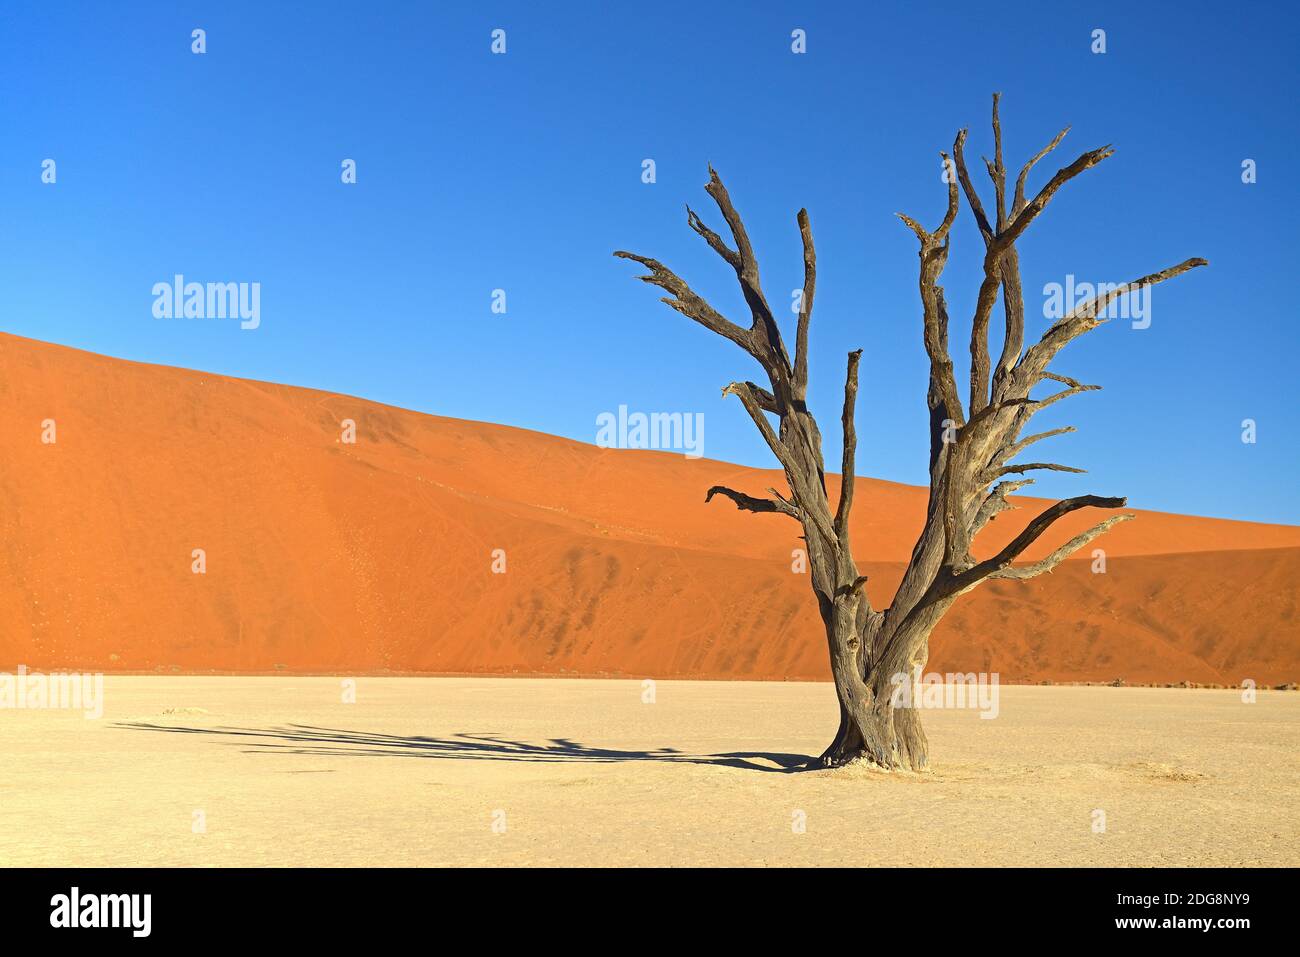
377,556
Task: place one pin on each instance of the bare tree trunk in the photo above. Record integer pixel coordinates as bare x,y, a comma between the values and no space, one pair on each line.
874,654
875,726
845,642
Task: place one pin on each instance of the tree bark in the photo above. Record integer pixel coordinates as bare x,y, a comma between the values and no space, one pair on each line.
874,727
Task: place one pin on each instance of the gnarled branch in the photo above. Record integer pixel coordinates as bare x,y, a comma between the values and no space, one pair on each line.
1037,568
1029,212
1085,317
934,310
753,399
1014,450
746,266
715,241
972,197
805,307
848,466
748,503
1032,467
689,304
964,581
994,504
1018,203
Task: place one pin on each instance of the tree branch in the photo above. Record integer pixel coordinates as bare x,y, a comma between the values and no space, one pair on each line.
1083,318
748,503
752,400
806,305
746,266
1014,450
1035,206
934,255
972,576
998,172
715,241
1034,569
688,303
998,267
848,468
1034,406
994,504
972,197
1018,203
1031,467
988,292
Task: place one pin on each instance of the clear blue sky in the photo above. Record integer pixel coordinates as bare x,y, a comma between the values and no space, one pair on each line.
523,172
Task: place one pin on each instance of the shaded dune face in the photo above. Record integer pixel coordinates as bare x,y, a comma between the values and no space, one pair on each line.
328,556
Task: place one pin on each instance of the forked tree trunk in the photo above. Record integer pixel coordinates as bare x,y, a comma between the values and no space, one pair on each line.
873,651
875,726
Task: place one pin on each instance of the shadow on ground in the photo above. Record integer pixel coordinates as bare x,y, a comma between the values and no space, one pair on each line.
304,739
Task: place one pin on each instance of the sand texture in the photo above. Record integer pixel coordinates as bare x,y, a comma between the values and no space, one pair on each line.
280,771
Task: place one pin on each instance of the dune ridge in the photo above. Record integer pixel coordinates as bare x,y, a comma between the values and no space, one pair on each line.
377,556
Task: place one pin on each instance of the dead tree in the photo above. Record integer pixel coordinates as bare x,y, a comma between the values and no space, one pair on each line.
971,446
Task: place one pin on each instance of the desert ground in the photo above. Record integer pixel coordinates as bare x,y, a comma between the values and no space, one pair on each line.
417,771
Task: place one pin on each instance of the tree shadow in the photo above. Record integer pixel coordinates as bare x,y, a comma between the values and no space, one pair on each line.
334,742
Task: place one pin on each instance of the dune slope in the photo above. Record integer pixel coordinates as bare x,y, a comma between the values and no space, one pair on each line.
324,556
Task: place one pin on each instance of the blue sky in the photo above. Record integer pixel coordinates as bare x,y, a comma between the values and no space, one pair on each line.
523,172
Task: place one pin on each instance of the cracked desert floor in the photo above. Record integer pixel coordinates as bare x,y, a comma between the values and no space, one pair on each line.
217,771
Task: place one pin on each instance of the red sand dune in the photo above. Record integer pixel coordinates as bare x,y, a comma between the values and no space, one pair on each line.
329,557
